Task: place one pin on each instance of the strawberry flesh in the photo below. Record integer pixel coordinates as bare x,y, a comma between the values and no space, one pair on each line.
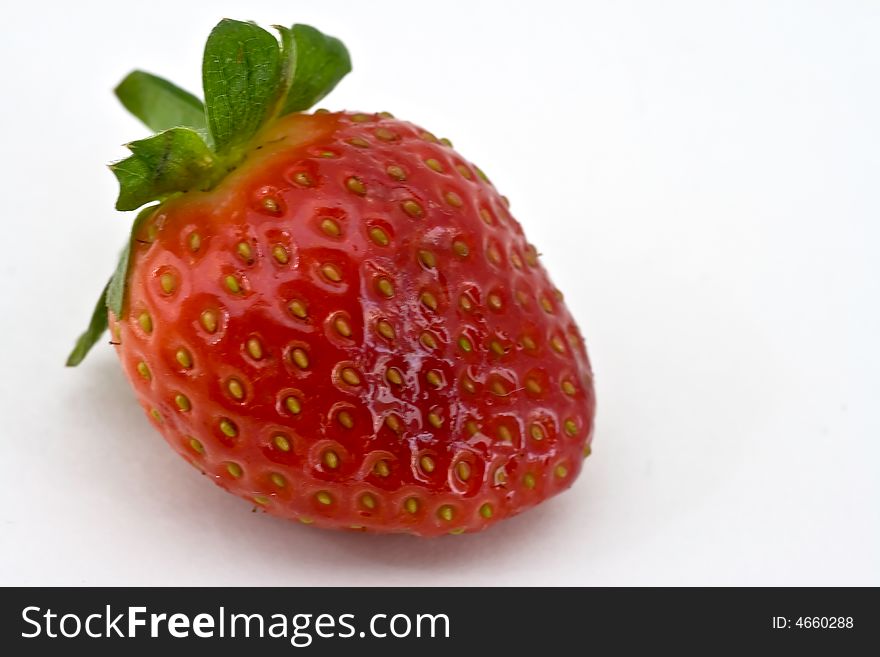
352,331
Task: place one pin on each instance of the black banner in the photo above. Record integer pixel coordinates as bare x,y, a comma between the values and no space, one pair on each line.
431,621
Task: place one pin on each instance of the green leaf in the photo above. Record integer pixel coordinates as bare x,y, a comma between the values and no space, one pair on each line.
288,63
320,62
172,161
112,297
93,333
160,104
240,72
115,292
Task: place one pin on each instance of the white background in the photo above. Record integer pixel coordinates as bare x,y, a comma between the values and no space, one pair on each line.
702,179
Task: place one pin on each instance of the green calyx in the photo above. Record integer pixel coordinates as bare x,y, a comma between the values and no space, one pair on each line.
250,78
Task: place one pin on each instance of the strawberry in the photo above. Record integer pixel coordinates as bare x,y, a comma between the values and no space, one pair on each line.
335,315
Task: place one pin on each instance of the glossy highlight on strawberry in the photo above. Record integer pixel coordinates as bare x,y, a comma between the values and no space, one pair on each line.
348,328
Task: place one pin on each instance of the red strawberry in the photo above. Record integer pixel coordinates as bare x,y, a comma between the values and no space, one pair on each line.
338,318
